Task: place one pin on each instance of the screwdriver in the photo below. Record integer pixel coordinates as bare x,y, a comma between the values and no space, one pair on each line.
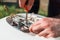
26,10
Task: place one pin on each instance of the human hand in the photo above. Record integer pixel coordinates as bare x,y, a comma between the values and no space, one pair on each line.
24,6
46,27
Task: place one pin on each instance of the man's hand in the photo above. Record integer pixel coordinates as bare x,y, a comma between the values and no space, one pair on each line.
46,27
24,6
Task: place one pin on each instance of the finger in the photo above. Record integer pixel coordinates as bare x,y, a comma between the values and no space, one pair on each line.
44,32
36,29
50,35
34,25
30,4
30,28
22,3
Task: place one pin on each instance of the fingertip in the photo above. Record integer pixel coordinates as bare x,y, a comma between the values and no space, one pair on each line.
30,28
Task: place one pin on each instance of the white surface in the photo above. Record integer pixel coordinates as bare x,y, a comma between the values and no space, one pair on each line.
7,32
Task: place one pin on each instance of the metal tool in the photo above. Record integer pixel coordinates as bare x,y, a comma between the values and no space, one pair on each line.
26,18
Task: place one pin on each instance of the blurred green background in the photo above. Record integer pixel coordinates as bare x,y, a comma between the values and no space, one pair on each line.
6,10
